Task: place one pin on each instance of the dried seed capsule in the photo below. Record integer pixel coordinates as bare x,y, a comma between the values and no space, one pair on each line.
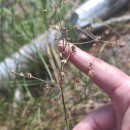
90,73
29,75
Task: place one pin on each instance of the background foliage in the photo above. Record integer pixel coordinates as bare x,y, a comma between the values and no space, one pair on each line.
40,107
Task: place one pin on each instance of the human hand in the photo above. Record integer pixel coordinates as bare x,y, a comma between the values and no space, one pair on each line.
115,115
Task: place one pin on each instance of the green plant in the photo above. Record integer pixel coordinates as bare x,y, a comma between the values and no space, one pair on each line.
51,103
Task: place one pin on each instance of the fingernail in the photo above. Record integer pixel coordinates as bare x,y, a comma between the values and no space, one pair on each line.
60,43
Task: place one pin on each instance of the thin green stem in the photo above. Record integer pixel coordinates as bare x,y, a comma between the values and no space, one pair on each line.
64,106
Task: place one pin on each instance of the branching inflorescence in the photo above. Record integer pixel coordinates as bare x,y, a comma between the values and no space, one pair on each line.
71,49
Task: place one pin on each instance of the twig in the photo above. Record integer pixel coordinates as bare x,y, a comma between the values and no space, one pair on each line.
112,21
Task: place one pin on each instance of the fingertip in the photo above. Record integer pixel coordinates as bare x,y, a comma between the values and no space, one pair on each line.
60,43
65,46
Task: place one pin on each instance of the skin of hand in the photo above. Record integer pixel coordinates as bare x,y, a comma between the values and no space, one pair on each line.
115,115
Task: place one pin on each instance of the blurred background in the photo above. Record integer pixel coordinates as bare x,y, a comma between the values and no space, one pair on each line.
29,33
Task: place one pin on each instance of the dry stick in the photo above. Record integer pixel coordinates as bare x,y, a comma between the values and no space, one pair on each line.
52,62
56,57
112,21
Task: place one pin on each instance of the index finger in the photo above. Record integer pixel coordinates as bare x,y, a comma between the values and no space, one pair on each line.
106,76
